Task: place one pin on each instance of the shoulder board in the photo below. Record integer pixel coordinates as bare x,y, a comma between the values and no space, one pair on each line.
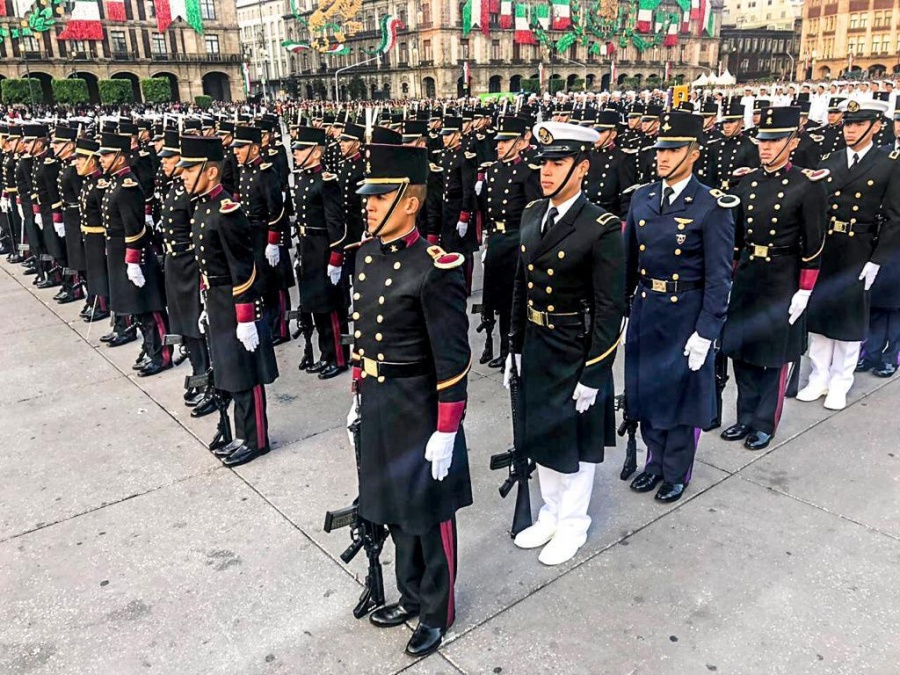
470,155
102,184
815,175
710,141
228,206
329,176
817,138
436,168
742,171
144,153
530,204
444,260
895,154
629,151
50,160
534,167
263,167
272,152
480,137
826,156
724,200
129,183
485,165
606,218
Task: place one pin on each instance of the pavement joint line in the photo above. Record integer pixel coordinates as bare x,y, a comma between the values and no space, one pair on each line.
821,508
440,655
94,509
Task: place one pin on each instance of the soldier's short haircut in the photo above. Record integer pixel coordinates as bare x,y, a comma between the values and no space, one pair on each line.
419,192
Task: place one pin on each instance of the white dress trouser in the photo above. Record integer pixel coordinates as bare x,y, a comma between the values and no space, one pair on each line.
833,362
566,498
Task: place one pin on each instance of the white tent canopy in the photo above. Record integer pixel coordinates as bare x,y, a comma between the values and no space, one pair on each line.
701,81
726,79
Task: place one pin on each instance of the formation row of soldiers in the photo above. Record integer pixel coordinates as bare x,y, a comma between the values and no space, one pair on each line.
713,243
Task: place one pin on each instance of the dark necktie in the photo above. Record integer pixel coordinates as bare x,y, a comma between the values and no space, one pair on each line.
667,195
855,160
551,220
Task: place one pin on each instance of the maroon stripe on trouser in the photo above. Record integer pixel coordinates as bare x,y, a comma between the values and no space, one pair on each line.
259,411
282,320
450,555
782,387
161,329
338,348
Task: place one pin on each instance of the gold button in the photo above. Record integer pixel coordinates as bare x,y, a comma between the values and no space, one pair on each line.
549,272
754,184
362,352
674,277
381,357
531,268
368,258
379,318
643,248
837,193
870,183
777,207
780,195
644,272
355,316
531,303
530,284
856,208
549,290
356,296
644,294
396,265
752,196
381,300
388,282
677,251
357,334
858,195
785,181
551,308
361,276
642,222
378,337
772,232
561,255
674,298
381,378
750,207
523,248
363,374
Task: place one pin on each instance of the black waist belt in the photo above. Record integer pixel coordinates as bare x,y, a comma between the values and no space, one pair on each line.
849,228
72,206
503,227
662,286
179,247
553,319
757,251
221,280
373,368
306,230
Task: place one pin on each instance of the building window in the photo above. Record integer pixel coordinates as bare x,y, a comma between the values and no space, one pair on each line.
404,53
208,10
495,50
854,21
463,49
426,14
212,44
117,41
426,49
158,44
863,20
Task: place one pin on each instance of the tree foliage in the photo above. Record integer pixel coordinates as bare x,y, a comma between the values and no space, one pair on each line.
16,91
115,92
70,92
156,90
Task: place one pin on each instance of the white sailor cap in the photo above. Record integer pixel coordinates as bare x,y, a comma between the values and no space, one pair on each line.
855,110
558,140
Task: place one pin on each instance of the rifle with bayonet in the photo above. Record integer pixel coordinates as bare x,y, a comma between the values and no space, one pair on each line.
628,426
363,535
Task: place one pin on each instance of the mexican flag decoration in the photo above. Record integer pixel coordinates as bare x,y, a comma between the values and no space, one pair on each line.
476,14
84,22
540,14
523,34
562,16
707,20
245,78
506,14
169,10
295,47
645,14
115,10
671,38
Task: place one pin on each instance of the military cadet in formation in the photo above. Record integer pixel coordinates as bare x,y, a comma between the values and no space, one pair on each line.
240,343
459,171
679,244
833,132
568,305
415,133
262,202
808,152
135,278
12,224
862,236
37,260
66,220
709,141
332,156
612,169
93,233
734,151
759,105
510,183
632,135
45,198
182,275
230,172
322,234
779,234
646,156
350,171
412,360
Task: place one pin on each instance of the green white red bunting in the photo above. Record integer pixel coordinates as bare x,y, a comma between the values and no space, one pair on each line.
169,10
115,10
562,16
506,13
645,14
523,34
84,22
294,47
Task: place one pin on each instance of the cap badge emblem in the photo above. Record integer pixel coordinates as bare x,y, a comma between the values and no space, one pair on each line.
544,136
853,107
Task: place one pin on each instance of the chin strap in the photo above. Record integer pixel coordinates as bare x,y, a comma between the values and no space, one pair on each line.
787,142
578,160
871,124
387,217
509,152
690,147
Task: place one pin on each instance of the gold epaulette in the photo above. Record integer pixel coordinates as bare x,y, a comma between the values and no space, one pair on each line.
436,168
263,167
444,260
724,200
128,183
470,155
815,174
229,206
329,176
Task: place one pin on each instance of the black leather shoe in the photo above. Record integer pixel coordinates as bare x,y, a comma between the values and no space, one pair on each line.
206,406
226,450
317,367
141,363
121,339
47,283
193,397
153,368
736,432
70,296
30,271
392,615
243,455
424,640
862,366
180,357
109,336
61,293
645,482
486,356
332,370
669,492
885,370
14,258
97,315
306,361
497,363
758,440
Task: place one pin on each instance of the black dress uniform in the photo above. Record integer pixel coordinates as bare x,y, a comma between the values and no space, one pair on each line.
778,245
679,272
128,242
646,156
321,233
230,170
44,198
11,193
411,343
31,235
69,185
90,201
863,227
459,172
509,185
612,170
182,273
731,152
833,134
225,255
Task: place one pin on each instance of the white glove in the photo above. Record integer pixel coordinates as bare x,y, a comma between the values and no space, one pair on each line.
4,205
483,255
696,349
135,275
508,368
479,186
868,274
334,273
246,333
39,221
283,197
202,321
60,229
352,416
584,397
462,228
439,452
273,255
798,305
148,221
